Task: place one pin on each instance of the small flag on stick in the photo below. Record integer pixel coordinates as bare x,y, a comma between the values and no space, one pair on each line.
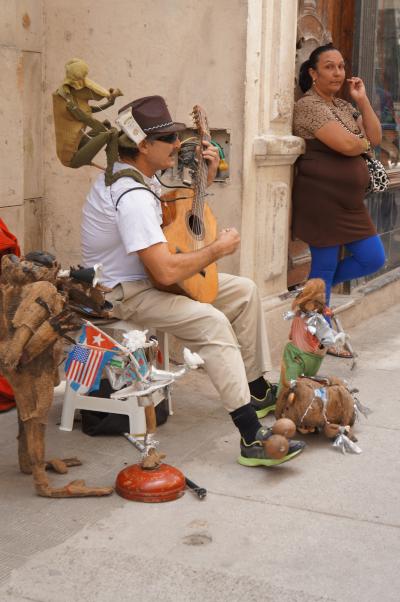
84,366
94,337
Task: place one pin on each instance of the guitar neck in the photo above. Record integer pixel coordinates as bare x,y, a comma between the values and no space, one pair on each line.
200,183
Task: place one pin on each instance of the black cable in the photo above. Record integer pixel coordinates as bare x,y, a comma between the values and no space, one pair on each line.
167,186
153,193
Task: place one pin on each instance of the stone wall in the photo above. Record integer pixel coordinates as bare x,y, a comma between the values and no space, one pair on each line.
21,149
188,51
234,57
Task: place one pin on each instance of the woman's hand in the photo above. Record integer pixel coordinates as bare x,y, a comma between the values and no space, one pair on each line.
357,89
369,122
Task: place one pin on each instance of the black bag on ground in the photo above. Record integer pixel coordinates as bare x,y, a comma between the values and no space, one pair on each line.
104,423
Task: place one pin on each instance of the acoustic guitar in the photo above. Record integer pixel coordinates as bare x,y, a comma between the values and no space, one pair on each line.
190,225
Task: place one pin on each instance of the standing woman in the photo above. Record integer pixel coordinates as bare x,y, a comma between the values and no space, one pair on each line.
332,177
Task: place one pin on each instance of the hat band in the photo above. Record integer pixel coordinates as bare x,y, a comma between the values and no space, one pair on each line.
156,127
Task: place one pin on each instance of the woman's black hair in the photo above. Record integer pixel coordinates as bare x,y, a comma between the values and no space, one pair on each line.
305,79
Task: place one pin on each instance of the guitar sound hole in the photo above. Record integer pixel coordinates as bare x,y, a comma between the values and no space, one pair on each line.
196,226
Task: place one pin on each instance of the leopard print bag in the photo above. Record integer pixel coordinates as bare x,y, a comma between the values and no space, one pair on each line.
378,178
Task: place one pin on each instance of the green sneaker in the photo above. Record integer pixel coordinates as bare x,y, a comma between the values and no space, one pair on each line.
266,405
253,454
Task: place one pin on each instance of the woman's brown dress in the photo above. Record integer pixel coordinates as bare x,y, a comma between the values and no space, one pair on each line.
329,188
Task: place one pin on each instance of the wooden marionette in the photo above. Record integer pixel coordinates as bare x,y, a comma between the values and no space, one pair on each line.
76,145
34,317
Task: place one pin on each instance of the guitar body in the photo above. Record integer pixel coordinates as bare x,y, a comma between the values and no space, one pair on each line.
189,224
186,233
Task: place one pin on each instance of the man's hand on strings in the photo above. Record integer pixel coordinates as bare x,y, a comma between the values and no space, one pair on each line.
211,155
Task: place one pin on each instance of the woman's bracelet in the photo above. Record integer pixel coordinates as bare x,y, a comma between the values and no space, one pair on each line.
367,145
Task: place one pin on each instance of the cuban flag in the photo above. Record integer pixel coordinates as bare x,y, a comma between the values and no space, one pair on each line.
94,337
84,366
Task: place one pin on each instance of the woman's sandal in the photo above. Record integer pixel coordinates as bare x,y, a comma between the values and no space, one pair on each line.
342,352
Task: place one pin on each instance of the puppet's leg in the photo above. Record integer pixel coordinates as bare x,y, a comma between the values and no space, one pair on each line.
112,156
312,363
56,464
61,466
94,140
34,396
89,148
292,366
35,433
23,454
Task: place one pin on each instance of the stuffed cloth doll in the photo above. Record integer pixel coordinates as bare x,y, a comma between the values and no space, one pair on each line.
324,404
310,334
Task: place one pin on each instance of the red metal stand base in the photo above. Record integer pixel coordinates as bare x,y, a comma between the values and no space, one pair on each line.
162,484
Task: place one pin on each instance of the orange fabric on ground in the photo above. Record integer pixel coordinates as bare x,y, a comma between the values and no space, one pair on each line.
8,244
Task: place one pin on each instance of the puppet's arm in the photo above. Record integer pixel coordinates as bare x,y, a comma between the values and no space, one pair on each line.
319,327
111,100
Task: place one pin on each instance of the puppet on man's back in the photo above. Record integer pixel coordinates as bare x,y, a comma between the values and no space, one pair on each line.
77,145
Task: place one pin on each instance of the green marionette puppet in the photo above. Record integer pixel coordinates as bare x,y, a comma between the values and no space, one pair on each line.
79,136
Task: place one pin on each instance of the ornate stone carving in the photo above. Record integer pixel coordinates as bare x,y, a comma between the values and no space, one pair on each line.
311,30
281,106
277,150
275,246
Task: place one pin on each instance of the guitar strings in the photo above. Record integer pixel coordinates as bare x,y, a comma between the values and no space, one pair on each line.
201,177
198,205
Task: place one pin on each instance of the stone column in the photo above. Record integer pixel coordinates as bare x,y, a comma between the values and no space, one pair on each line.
269,152
21,184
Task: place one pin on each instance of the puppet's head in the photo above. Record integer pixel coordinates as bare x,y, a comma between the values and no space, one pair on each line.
312,297
35,266
76,71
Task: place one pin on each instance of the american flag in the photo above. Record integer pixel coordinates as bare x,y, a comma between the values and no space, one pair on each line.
84,366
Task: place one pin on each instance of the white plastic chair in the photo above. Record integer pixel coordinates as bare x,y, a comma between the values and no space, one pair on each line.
130,406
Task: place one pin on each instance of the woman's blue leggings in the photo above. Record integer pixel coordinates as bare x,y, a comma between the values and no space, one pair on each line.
367,256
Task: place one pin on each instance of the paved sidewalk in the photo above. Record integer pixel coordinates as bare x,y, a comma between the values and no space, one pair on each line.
325,527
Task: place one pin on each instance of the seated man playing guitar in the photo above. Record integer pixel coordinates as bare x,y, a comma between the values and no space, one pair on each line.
122,229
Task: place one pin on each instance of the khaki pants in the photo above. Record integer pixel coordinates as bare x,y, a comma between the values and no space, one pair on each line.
229,335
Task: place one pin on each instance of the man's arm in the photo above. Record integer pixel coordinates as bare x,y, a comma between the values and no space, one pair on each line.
168,268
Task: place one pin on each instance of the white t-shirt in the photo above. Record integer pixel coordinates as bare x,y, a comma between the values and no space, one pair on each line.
112,237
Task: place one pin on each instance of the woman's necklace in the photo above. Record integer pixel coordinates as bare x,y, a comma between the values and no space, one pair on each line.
334,104
329,102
